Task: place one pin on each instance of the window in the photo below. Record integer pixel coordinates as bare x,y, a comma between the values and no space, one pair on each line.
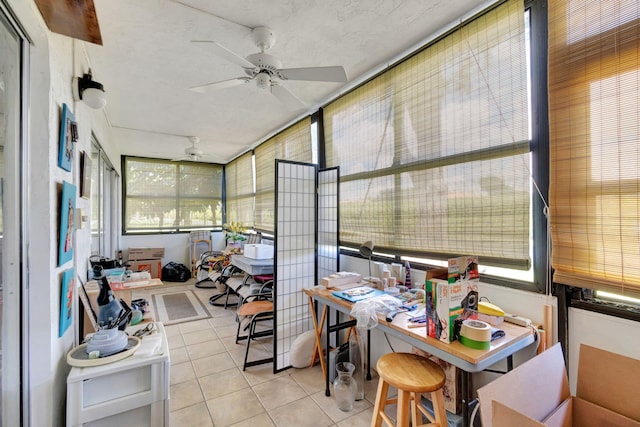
293,143
435,153
239,194
170,196
594,87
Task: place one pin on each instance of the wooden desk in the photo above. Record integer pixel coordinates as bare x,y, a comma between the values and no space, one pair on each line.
466,359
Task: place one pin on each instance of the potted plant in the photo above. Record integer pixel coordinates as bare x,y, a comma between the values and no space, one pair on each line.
234,234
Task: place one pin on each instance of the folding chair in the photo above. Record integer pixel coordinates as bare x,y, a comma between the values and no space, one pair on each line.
209,262
255,309
230,278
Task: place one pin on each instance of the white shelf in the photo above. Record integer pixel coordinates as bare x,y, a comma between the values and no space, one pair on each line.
132,391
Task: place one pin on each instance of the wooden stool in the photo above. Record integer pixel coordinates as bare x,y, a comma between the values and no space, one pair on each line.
411,375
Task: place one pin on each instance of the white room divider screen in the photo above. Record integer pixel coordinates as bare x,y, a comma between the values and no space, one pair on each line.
328,196
302,224
295,252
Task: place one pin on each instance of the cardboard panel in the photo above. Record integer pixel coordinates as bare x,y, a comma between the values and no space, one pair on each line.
503,416
526,390
609,380
586,414
562,416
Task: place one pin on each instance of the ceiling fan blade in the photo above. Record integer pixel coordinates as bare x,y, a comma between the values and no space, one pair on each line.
289,100
220,85
225,53
319,74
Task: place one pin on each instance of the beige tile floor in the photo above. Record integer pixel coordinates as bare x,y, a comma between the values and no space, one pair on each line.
209,388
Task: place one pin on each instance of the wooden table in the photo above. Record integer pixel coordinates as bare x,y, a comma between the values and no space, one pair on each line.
466,359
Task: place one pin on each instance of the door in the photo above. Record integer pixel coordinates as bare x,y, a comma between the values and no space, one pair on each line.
10,224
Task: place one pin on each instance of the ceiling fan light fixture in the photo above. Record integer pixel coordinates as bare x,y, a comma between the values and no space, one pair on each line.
91,92
263,80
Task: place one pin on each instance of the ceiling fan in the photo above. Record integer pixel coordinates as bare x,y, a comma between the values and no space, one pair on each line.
266,70
191,153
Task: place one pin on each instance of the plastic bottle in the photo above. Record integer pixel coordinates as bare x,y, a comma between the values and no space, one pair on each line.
109,307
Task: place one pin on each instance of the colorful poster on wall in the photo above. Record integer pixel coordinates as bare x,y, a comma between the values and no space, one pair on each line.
68,138
66,300
67,211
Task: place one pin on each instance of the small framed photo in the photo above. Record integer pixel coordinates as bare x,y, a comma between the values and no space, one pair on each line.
67,223
85,175
68,139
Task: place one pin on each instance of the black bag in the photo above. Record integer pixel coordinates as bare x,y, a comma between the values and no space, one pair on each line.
175,272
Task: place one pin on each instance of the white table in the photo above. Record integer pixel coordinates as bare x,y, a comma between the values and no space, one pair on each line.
130,392
253,267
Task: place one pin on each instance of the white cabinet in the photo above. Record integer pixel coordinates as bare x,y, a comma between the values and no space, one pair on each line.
130,392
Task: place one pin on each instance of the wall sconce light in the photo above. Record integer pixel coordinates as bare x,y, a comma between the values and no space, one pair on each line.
91,92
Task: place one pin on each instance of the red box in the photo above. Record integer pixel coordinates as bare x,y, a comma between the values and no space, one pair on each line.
153,266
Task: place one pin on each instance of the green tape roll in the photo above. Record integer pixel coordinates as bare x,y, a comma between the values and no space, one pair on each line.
478,345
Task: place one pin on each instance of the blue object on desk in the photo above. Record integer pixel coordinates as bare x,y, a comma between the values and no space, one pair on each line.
357,294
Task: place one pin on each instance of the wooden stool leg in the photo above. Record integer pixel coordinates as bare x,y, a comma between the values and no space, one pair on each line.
402,419
381,402
437,399
416,415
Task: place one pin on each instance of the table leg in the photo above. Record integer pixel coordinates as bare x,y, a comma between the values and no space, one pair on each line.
466,397
327,391
510,362
317,351
368,354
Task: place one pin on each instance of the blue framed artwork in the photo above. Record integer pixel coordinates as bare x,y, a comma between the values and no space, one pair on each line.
67,226
68,138
66,300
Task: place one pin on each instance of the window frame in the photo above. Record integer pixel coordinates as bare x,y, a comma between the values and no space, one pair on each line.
173,229
535,11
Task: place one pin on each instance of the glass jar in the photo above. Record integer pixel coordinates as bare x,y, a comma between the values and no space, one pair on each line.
344,386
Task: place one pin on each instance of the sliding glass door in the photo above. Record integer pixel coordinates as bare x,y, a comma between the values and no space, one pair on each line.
10,229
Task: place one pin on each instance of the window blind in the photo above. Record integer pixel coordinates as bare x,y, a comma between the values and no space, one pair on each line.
434,152
162,195
294,144
594,84
239,190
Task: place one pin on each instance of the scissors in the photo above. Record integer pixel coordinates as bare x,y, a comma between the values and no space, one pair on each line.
147,330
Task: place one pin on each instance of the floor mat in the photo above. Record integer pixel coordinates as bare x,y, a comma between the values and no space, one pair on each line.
178,307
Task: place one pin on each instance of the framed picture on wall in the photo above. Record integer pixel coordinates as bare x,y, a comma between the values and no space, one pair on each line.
66,300
67,212
85,175
68,138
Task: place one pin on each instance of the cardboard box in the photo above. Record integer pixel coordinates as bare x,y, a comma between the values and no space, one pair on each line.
153,266
463,268
340,278
537,394
448,305
258,251
145,253
452,389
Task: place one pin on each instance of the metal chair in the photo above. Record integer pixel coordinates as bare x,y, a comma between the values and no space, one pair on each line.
255,309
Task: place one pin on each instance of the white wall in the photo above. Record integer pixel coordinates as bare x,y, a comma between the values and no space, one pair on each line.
176,246
53,61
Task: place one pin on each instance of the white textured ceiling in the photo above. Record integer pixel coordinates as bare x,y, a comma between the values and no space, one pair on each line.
147,63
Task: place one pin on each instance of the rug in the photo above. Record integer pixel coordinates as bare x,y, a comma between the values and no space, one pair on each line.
178,307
